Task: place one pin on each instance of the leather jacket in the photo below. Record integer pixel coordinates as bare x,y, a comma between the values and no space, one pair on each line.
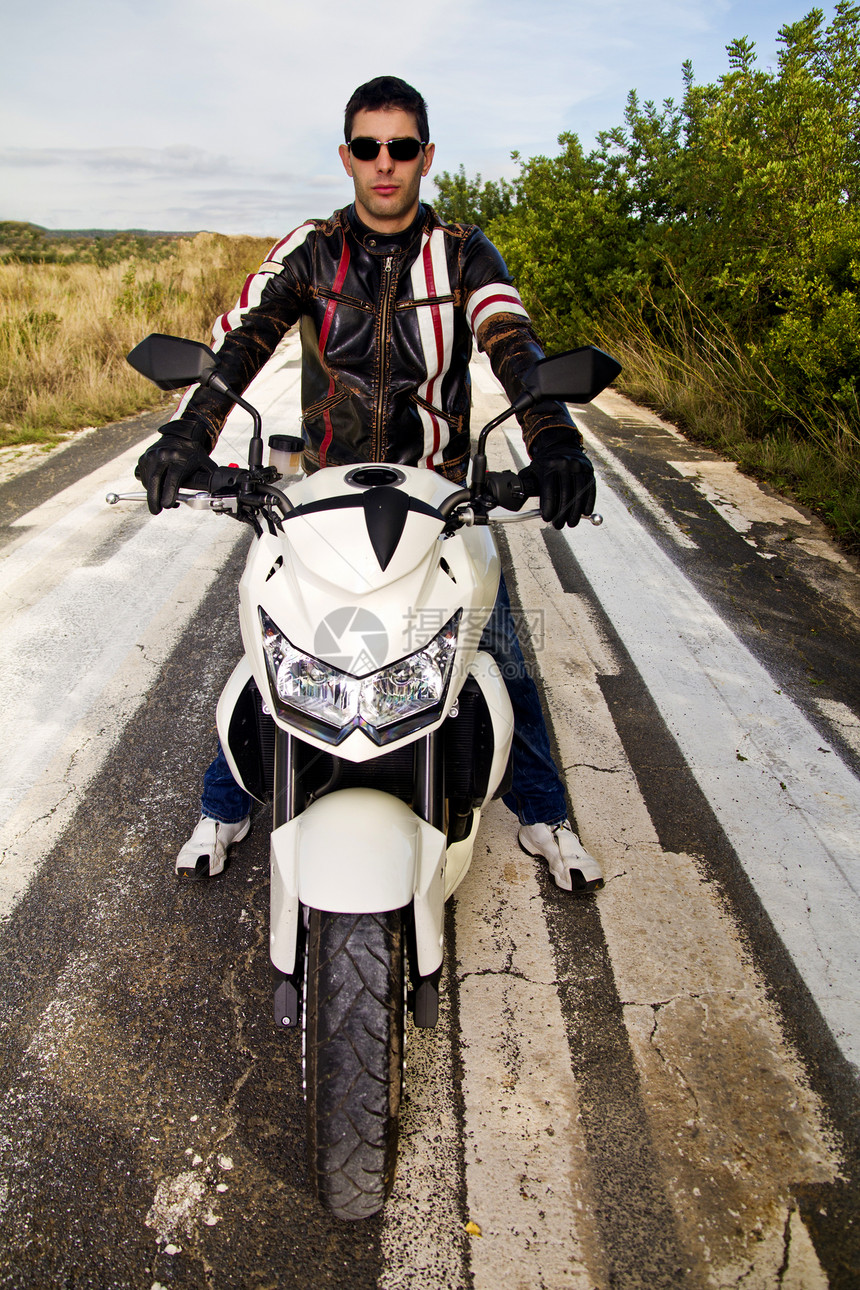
387,326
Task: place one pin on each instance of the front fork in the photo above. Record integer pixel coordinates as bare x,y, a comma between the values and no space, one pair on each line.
284,804
287,999
428,804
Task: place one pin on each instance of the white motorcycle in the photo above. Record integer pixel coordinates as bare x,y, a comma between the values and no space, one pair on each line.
365,711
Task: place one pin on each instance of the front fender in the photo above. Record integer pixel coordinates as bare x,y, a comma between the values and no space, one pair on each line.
358,851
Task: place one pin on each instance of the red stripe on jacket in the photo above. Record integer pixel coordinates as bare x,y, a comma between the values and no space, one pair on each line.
491,300
339,280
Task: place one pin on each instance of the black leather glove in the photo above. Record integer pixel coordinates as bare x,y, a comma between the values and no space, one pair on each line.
170,462
563,477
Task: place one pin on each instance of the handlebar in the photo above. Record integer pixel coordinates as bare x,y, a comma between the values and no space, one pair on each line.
220,488
511,490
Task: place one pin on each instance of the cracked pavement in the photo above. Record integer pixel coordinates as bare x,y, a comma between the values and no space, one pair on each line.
633,1090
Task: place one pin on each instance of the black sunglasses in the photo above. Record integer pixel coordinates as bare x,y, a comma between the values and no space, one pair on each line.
364,149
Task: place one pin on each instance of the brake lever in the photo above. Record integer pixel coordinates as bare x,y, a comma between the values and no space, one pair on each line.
196,501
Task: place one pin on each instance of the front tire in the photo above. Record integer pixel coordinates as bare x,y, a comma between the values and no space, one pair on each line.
354,1057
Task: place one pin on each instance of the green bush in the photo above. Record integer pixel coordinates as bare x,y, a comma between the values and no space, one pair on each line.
717,241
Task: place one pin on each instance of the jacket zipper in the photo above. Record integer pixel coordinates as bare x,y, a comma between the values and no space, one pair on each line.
388,281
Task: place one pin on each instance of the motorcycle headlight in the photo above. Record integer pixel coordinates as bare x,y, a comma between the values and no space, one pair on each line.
332,702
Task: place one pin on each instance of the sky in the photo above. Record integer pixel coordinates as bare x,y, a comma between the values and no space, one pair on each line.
226,114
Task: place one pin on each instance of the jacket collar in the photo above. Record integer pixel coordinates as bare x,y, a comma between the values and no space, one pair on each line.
377,243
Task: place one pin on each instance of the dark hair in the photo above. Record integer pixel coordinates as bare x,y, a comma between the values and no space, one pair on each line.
387,92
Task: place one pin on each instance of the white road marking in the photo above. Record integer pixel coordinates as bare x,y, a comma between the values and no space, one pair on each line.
525,1157
486,383
720,1082
789,806
484,380
57,653
526,1160
737,498
841,716
527,1186
56,756
84,637
617,406
699,1022
598,450
742,502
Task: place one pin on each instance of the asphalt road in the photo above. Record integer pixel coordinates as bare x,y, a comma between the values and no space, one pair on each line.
653,1087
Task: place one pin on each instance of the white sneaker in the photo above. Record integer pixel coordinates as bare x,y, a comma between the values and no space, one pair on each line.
569,863
205,853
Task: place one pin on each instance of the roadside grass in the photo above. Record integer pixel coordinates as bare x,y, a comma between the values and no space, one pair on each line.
702,380
65,330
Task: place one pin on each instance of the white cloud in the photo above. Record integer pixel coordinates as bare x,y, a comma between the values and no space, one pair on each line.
130,115
122,161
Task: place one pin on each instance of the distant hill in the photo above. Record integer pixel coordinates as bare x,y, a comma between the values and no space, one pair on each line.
25,243
112,232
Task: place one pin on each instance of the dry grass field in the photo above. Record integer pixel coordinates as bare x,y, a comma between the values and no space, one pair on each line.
65,330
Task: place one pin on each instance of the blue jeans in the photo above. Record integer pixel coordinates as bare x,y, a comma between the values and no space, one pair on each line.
537,793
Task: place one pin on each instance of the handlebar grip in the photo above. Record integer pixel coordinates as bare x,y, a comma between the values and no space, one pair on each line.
529,482
215,480
508,489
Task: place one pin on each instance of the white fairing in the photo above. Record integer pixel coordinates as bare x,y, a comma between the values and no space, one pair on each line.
362,850
486,672
230,695
325,560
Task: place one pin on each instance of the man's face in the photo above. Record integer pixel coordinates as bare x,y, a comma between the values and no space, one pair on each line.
386,191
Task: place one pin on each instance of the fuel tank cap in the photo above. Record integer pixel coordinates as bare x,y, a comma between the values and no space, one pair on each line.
376,476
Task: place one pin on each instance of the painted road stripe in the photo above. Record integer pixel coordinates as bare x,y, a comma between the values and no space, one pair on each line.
526,1171
533,1209
526,1157
58,655
54,759
631,484
536,1190
716,1076
424,1240
94,598
788,804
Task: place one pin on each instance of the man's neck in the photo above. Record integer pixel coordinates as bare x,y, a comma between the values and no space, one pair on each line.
399,235
383,226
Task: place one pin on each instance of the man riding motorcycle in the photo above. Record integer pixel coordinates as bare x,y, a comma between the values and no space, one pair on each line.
390,300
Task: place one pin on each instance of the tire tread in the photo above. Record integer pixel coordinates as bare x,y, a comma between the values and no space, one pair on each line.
354,1055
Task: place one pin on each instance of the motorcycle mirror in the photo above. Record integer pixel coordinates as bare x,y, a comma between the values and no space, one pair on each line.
577,376
171,362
